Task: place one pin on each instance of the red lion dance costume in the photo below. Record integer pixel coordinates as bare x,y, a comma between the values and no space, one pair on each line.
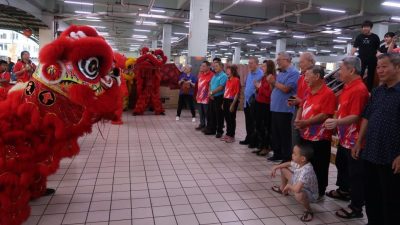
40,124
147,72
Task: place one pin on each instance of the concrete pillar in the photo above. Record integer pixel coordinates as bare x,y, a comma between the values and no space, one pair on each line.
212,54
236,56
46,35
198,31
349,46
380,30
166,45
280,45
154,44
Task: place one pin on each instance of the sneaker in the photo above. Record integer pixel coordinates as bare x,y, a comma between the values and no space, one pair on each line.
230,139
177,118
193,119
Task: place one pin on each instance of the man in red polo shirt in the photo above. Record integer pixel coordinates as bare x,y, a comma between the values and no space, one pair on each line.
318,105
4,79
202,98
24,69
352,102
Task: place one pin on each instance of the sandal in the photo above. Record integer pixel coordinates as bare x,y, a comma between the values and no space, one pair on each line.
278,190
338,194
343,213
307,216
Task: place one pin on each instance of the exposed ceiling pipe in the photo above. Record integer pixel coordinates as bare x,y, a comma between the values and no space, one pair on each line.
292,13
228,7
151,4
361,13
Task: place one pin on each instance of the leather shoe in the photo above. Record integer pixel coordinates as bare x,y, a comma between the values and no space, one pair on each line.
199,128
252,146
218,135
49,191
244,142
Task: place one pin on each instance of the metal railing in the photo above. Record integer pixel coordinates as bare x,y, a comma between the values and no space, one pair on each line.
333,82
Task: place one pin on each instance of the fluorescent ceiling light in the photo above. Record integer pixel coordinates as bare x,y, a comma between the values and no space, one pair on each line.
90,20
216,21
141,30
235,42
299,36
238,38
266,42
395,18
339,46
139,36
275,31
223,49
389,3
100,27
211,45
187,26
78,3
179,33
345,38
149,23
330,32
103,33
263,49
187,22
250,44
224,43
157,10
174,38
311,49
332,54
323,50
153,16
339,41
254,0
228,53
218,54
83,12
332,10
218,16
260,32
290,51
135,45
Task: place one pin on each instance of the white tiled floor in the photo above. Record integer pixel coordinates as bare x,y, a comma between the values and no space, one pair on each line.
155,170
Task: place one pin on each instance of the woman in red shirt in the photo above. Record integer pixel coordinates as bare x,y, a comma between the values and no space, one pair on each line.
262,108
24,69
230,102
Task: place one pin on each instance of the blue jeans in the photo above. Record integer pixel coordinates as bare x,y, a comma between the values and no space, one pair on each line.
203,114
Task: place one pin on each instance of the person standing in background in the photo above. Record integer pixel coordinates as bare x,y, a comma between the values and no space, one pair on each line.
202,98
255,74
24,69
389,40
187,81
284,86
231,100
367,44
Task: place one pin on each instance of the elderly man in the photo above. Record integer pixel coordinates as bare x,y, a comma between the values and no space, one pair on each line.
187,81
284,86
318,105
352,102
306,61
255,74
381,134
202,97
217,88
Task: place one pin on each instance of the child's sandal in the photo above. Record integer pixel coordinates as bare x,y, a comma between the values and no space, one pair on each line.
307,216
278,190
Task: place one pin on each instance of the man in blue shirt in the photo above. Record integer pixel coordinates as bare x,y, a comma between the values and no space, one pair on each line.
187,81
285,86
249,102
380,130
215,113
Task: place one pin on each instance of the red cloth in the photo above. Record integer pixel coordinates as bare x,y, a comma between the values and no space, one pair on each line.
352,101
323,101
301,86
264,92
203,87
4,86
24,77
232,88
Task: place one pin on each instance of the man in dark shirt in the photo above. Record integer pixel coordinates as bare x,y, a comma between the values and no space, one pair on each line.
380,130
368,45
388,40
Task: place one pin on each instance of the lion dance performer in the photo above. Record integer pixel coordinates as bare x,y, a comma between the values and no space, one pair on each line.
41,123
130,79
148,77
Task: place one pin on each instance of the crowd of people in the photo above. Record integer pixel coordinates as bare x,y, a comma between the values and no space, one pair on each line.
294,114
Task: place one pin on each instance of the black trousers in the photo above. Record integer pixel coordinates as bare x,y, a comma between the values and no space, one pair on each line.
371,65
203,108
186,99
216,115
320,162
281,135
230,117
382,194
350,176
250,123
263,124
